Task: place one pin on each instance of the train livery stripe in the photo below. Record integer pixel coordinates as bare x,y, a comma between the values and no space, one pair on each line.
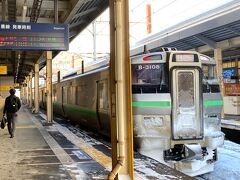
151,103
213,103
86,112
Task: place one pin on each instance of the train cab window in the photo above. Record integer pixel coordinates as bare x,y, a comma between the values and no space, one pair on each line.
150,78
210,84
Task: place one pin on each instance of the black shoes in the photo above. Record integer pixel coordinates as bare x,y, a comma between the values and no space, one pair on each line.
11,136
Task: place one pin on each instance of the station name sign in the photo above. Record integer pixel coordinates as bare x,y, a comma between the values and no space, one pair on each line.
34,36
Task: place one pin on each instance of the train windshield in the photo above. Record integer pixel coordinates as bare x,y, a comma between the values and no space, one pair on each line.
149,78
210,82
209,71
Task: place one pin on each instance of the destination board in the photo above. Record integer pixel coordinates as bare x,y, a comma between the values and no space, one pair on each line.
34,36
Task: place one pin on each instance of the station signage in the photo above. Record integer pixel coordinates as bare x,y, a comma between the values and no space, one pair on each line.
228,72
3,70
232,89
34,36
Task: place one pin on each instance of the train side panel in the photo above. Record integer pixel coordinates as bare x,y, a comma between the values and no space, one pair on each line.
85,100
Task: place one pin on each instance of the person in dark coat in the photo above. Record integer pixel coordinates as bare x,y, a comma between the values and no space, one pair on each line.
12,105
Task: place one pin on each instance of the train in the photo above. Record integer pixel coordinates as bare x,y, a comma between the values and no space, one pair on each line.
176,102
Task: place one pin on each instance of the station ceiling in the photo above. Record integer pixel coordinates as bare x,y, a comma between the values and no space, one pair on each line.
77,13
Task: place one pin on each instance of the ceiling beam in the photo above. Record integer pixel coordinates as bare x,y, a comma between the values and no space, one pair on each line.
74,25
235,31
226,44
206,41
76,4
46,5
84,13
40,20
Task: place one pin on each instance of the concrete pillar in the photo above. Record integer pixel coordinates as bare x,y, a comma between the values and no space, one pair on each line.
218,59
36,88
30,90
49,88
121,97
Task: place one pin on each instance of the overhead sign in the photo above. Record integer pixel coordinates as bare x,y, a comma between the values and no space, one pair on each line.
3,69
228,72
34,36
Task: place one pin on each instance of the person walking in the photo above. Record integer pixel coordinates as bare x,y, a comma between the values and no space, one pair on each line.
12,105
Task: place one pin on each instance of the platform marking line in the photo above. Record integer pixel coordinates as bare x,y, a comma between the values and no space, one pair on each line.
57,163
63,157
26,127
98,156
26,150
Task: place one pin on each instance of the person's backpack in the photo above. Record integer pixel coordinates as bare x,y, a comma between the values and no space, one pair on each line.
13,105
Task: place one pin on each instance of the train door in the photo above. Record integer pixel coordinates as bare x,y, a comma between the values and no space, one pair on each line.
187,103
103,105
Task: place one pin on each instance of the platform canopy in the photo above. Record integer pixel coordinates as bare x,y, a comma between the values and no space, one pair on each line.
217,28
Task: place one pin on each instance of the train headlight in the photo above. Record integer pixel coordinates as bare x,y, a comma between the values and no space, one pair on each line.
153,121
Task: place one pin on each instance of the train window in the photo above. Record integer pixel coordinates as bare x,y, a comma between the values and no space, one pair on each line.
69,95
103,95
83,94
215,88
54,95
209,75
209,71
64,93
149,78
186,90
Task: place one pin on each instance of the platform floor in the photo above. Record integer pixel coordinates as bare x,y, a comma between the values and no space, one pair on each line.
54,152
39,152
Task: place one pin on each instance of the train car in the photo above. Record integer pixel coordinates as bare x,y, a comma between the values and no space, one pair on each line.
176,107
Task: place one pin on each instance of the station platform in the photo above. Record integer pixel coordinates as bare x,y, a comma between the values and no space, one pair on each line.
231,122
54,152
230,126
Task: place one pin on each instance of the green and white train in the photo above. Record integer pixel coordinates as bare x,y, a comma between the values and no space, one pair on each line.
176,107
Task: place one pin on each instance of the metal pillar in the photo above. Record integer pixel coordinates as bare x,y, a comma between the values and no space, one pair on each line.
30,90
3,10
56,11
21,92
218,59
49,88
27,88
36,88
25,91
121,97
94,33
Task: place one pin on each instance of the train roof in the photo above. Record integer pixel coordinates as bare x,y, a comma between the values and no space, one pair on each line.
203,58
103,63
99,69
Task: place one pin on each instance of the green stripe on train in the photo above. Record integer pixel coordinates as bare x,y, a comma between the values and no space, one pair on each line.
168,103
151,103
87,112
213,103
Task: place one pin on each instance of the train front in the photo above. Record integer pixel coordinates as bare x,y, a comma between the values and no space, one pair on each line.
176,109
